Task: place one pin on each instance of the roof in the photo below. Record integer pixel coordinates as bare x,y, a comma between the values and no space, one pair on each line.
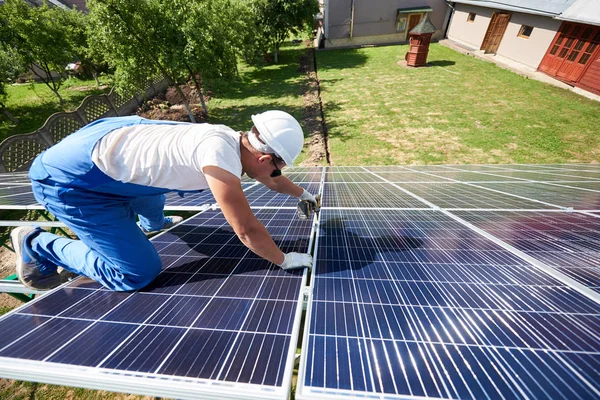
414,9
586,11
425,26
550,8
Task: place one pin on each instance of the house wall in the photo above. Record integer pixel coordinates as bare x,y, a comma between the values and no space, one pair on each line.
469,33
375,21
528,52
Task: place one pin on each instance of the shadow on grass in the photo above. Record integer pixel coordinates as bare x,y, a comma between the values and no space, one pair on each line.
341,59
271,81
441,63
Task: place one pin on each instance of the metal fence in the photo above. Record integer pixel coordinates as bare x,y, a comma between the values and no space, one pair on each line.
18,152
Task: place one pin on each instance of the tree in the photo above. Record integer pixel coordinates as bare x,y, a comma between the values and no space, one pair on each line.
278,19
139,41
78,37
213,34
39,35
179,39
11,65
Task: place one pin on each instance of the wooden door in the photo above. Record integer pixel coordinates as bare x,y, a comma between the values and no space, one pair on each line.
571,68
495,32
571,51
413,20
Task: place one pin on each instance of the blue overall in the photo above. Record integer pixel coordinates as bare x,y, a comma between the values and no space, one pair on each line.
101,211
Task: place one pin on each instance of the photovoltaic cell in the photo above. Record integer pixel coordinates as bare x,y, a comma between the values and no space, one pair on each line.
413,303
562,196
569,243
351,177
459,195
407,176
214,315
472,176
379,195
262,196
14,177
544,176
583,185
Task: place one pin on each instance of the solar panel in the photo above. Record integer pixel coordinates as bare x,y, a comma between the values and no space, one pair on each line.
375,195
218,321
473,176
570,243
544,176
490,296
262,196
351,177
14,177
559,195
194,201
408,176
461,196
413,303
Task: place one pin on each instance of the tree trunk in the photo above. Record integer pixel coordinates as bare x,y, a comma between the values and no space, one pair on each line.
185,103
276,53
8,114
60,99
199,89
95,76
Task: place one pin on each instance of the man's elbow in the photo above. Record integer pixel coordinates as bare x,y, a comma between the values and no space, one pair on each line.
246,233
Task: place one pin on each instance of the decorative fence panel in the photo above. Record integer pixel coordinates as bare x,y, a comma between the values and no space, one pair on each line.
18,152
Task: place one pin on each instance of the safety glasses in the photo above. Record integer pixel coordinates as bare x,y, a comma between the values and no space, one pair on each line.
277,171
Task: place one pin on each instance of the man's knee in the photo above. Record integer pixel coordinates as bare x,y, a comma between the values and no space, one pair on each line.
147,271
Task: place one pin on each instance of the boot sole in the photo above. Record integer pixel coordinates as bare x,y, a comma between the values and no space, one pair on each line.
14,241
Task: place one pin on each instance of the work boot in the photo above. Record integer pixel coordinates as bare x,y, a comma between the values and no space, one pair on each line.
170,222
29,271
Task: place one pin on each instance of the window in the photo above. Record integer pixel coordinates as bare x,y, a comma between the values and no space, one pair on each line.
401,24
525,31
471,17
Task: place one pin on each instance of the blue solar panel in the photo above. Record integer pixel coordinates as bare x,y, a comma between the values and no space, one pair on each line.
262,196
413,303
217,314
459,196
569,243
373,195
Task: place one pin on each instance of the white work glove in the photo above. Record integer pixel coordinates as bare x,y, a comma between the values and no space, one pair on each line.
296,260
310,198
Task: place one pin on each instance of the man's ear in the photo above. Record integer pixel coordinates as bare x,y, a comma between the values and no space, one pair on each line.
265,158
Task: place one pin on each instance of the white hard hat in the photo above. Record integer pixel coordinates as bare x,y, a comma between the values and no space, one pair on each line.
281,133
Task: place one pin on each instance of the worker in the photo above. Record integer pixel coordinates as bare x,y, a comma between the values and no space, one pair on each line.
99,178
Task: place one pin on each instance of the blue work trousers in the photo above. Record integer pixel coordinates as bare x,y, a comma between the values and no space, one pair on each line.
111,249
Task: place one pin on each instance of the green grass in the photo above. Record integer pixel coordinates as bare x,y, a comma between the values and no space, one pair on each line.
33,103
278,86
459,110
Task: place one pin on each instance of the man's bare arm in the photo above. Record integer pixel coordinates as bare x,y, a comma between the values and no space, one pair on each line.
281,184
229,195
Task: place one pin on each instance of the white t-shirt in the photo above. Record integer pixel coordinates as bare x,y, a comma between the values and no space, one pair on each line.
168,156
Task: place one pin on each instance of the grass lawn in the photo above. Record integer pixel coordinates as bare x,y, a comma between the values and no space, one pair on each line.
279,86
32,104
459,110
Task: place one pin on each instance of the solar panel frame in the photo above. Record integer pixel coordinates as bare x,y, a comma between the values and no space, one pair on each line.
161,383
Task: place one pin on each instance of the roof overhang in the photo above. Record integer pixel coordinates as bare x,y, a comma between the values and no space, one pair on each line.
414,10
506,7
582,11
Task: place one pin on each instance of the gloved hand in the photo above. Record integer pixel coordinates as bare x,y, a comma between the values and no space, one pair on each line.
296,260
310,198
